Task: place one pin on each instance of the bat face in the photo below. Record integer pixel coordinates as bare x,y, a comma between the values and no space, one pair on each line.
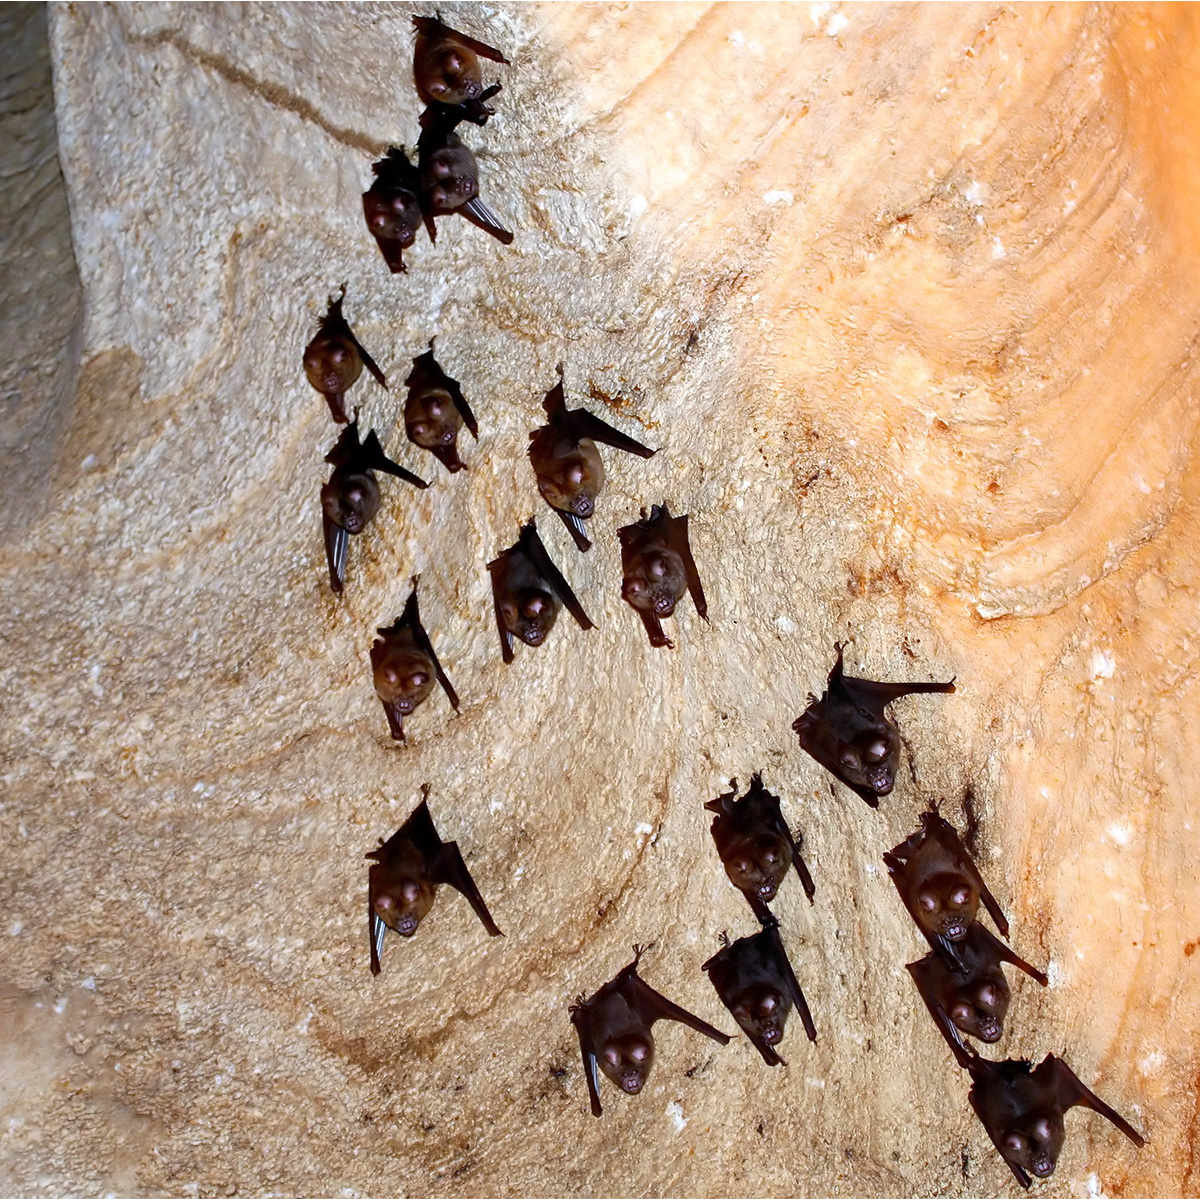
757,864
404,675
332,364
350,500
654,579
392,214
1034,1142
449,176
401,898
530,615
762,1012
627,1060
865,749
431,419
979,1008
446,71
871,759
568,477
945,905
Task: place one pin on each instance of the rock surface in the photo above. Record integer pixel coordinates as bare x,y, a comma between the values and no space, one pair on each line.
906,295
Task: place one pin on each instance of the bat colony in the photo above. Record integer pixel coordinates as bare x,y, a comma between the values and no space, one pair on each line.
847,730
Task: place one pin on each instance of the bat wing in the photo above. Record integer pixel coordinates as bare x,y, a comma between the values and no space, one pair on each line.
925,975
368,361
374,459
1071,1091
978,1103
995,948
873,696
412,618
575,528
431,27
337,540
395,721
585,424
818,741
506,637
393,254
945,833
779,959
654,1006
450,868
655,630
376,929
533,548
460,403
581,1019
683,547
347,448
481,216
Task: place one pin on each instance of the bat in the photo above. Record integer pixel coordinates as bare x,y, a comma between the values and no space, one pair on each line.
435,411
756,846
657,568
527,591
449,175
614,1030
849,733
569,470
392,206
941,887
756,983
403,881
334,359
974,1001
446,66
1022,1111
405,666
351,497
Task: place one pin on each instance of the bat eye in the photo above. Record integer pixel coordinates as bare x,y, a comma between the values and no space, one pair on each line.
634,587
418,429
338,354
849,758
960,895
418,679
534,606
639,1052
434,407
987,995
768,1004
742,866
384,902
452,63
410,892
960,1013
399,203
392,676
656,566
612,1056
1041,1130
928,901
378,220
876,752
437,88
575,474
1015,1142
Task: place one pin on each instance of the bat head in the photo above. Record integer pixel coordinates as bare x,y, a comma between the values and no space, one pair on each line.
402,901
393,214
571,481
979,1007
531,616
332,364
757,864
431,419
350,500
654,580
1034,1141
945,905
762,1012
404,676
870,761
446,71
449,177
627,1060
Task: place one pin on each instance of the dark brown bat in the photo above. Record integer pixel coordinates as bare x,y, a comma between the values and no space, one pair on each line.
392,206
449,175
1022,1111
848,732
334,359
405,666
755,845
569,469
446,64
972,1001
527,590
941,887
614,1030
435,410
757,984
657,568
403,882
351,497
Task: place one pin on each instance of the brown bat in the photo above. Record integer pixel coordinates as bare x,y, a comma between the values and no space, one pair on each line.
850,734
614,1030
569,470
334,359
657,568
527,590
405,666
941,887
446,64
449,175
435,411
1022,1111
351,497
974,1001
756,846
757,984
392,206
403,882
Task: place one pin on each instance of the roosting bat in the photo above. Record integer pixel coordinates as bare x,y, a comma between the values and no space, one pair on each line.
755,845
392,206
449,175
974,1000
614,1030
403,882
334,359
527,589
435,411
848,732
446,64
351,497
756,983
657,568
1022,1111
569,470
941,887
405,666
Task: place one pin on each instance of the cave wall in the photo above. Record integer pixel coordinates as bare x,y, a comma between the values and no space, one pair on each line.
907,297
